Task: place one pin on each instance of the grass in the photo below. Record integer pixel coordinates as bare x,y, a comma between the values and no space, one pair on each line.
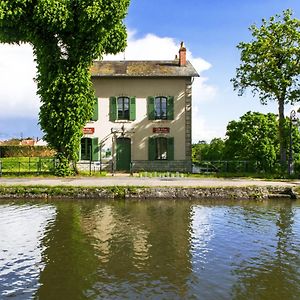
29,165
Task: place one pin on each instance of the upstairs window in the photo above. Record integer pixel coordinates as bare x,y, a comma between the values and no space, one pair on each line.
160,108
123,108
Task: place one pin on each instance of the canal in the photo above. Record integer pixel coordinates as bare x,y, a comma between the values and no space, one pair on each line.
149,250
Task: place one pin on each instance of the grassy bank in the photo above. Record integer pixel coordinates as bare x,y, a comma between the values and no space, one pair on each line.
143,193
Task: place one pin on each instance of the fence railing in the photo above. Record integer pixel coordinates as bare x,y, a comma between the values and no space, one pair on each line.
226,167
26,165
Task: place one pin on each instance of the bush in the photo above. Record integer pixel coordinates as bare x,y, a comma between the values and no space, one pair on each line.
26,151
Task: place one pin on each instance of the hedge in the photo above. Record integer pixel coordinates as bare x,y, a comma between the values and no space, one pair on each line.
26,151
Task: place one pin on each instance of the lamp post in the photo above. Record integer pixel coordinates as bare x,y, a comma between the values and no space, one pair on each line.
293,121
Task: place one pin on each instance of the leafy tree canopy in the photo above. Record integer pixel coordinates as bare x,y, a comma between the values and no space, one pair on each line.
253,137
66,36
270,65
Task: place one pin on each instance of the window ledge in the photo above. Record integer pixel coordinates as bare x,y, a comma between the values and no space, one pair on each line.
123,121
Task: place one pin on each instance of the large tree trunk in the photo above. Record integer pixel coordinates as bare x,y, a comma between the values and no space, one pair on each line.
282,137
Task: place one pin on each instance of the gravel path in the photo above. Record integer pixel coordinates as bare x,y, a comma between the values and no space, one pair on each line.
122,180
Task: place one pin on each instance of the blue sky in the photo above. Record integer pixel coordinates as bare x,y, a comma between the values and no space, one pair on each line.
210,29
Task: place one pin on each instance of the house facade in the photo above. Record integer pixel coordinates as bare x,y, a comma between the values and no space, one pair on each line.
142,118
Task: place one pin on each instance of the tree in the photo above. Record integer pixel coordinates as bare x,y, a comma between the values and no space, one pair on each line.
254,137
270,65
66,36
208,151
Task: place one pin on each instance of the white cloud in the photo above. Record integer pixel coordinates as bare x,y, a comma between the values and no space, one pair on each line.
17,89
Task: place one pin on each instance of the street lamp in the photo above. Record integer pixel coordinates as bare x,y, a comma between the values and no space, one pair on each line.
293,121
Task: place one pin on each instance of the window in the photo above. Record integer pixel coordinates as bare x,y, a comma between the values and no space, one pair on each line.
89,149
160,108
123,108
161,148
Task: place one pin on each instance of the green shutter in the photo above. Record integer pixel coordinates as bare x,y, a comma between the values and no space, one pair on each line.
150,108
151,148
95,149
95,113
170,108
112,109
132,109
170,154
79,154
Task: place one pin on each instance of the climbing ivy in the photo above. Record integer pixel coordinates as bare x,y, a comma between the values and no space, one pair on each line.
66,35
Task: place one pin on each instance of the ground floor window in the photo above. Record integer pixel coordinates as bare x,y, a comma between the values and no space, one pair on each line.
161,148
89,149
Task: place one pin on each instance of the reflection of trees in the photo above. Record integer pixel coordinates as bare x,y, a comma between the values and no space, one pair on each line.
273,274
68,257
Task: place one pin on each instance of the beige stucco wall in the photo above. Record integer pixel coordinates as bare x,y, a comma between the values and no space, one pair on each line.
141,129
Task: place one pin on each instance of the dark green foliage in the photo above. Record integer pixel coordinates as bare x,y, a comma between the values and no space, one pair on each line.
28,151
66,36
270,65
208,151
251,144
254,137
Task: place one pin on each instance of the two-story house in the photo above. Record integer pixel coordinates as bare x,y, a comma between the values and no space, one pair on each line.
142,119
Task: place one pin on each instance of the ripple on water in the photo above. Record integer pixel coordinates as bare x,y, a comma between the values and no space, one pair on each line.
22,228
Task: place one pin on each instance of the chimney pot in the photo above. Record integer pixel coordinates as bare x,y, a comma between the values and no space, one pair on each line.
182,55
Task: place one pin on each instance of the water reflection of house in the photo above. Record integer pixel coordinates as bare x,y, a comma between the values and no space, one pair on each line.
142,115
153,240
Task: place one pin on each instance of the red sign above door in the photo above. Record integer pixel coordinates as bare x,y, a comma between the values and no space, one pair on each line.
88,130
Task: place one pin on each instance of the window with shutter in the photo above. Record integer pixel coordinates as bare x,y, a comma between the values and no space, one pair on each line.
170,153
161,148
150,108
95,149
132,109
112,109
170,108
151,149
95,112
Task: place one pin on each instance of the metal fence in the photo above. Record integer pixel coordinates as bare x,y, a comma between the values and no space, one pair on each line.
30,165
226,167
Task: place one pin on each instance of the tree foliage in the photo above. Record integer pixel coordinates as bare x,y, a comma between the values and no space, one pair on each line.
270,65
208,151
66,36
254,137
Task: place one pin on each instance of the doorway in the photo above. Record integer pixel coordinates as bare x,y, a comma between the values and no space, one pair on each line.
123,154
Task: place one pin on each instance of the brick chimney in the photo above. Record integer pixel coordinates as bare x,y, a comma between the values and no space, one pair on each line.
182,55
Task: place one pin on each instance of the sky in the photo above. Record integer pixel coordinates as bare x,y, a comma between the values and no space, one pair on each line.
210,30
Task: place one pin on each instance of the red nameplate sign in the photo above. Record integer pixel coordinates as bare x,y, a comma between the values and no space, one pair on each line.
88,130
161,130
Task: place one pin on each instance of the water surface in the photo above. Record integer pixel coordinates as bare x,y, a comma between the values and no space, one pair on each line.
149,250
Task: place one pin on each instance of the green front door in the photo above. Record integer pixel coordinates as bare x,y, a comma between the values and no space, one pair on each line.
123,154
